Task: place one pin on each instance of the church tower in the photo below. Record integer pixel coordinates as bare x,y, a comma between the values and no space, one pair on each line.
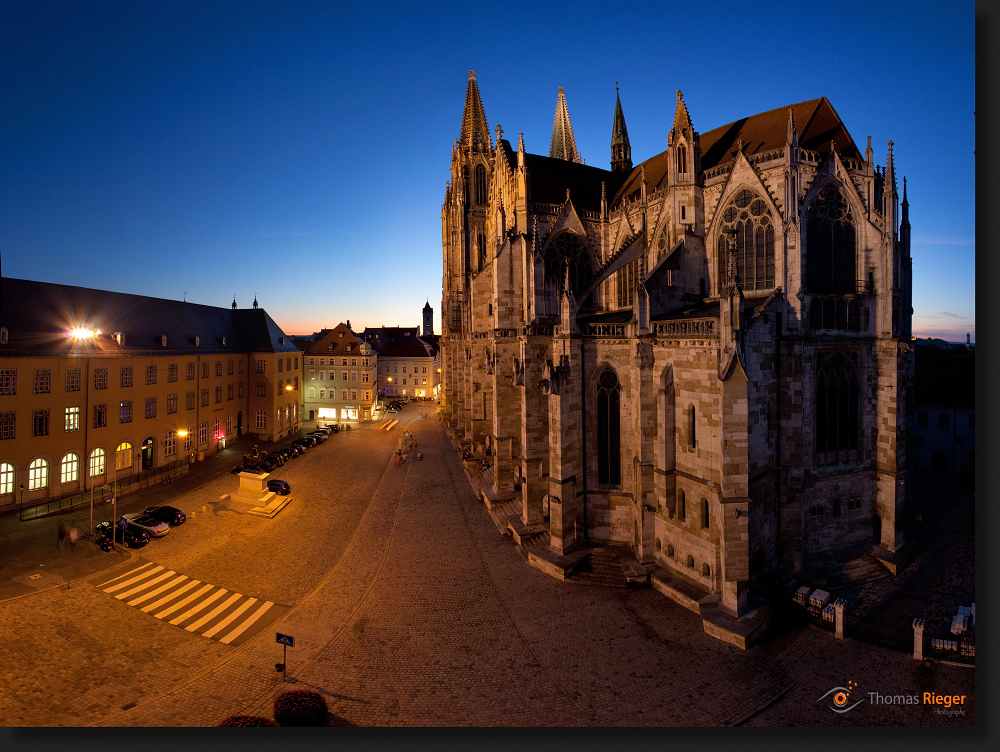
563,144
428,328
621,150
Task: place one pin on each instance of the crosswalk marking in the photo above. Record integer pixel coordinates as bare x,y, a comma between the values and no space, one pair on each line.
229,619
170,597
143,586
193,605
245,625
160,589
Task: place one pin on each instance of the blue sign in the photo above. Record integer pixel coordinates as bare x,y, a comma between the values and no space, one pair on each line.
123,522
284,639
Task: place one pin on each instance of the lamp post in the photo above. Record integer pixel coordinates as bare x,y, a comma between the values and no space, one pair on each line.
21,515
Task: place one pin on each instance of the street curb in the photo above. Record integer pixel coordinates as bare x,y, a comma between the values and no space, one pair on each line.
131,558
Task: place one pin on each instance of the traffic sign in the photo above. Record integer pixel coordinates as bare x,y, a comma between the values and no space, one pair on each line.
284,639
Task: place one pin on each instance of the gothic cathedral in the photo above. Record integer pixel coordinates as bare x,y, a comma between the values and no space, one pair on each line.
705,356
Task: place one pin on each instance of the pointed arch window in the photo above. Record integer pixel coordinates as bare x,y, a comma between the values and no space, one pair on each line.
747,221
568,250
830,243
481,197
837,407
681,158
609,471
692,428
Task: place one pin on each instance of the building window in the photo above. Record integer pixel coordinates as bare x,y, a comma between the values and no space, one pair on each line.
296,383
125,411
189,401
7,421
171,403
354,375
690,561
40,423
830,254
261,388
72,419
150,375
704,514
123,456
150,407
204,369
38,475
608,429
922,420
480,193
229,391
100,378
312,374
229,424
100,416
190,371
218,368
278,421
837,407
204,398
8,381
96,462
260,366
343,362
69,470
681,152
354,395
242,389
944,420
261,420
423,369
203,432
692,428
217,429
322,393
189,438
229,367
126,376
218,394
43,380
72,379
343,375
6,478
242,366
343,397
169,444
172,372
747,222
280,365
365,377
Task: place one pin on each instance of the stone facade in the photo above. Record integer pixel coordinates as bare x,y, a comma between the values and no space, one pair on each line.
651,357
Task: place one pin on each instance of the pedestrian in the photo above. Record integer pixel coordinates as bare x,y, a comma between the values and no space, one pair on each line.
74,535
62,534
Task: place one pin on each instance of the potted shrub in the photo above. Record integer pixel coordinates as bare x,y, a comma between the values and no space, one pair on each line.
300,708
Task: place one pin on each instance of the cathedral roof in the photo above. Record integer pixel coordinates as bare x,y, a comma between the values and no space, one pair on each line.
548,179
818,120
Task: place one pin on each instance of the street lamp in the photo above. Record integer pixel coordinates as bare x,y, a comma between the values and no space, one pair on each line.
21,516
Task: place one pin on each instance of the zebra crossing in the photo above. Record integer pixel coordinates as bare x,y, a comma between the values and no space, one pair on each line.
193,605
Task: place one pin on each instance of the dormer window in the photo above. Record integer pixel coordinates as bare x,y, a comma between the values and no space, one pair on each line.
163,340
3,335
197,341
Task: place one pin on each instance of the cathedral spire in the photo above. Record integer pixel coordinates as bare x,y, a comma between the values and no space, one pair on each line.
792,136
621,150
682,121
563,144
475,132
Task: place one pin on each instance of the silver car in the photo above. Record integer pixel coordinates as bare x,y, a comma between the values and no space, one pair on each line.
151,525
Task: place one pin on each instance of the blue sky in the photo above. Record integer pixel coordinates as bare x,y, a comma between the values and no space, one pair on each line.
300,151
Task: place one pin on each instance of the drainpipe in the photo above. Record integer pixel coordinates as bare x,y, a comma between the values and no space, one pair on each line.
583,424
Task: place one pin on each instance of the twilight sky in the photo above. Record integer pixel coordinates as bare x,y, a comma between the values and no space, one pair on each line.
299,150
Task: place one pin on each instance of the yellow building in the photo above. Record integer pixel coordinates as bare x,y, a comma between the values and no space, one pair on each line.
341,377
99,386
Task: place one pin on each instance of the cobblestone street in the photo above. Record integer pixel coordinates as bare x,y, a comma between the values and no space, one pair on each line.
408,608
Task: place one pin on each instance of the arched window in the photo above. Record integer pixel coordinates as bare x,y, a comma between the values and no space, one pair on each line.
123,457
480,185
748,223
568,249
704,514
70,468
189,438
217,429
38,475
609,471
6,478
97,459
278,420
706,571
837,407
691,428
169,444
830,240
681,150
670,550
681,507
690,561
261,419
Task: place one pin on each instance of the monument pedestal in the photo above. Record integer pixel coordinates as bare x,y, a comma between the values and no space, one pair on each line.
253,490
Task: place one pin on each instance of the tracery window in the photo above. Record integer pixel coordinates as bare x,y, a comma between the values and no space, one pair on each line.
837,407
681,159
480,185
609,470
830,241
567,249
748,222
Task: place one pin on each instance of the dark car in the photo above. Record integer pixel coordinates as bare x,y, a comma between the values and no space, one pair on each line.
131,535
392,409
170,515
275,457
334,429
279,487
285,453
319,436
268,465
296,450
306,441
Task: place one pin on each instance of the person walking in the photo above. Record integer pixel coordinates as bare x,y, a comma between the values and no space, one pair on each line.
74,535
62,534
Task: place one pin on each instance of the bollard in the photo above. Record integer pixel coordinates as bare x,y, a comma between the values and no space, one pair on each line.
838,608
918,639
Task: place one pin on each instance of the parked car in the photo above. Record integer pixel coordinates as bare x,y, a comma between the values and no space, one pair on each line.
268,465
170,515
318,435
131,536
275,457
237,470
335,428
296,450
286,453
323,429
279,487
151,525
305,441
392,409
